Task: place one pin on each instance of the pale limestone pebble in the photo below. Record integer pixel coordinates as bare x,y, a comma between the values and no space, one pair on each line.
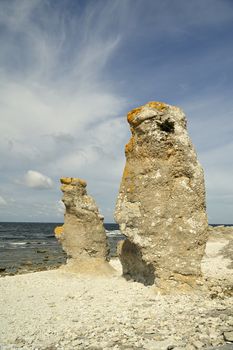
228,336
161,202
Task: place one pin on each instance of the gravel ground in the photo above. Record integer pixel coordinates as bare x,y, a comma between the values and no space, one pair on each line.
57,310
54,310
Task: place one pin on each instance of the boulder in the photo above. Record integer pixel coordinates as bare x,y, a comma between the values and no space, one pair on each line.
161,203
82,236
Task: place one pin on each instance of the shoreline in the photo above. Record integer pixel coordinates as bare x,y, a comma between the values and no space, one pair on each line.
46,258
25,252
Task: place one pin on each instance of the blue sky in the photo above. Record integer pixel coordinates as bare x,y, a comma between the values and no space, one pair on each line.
70,71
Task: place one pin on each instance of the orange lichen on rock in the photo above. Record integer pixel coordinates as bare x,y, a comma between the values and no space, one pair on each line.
130,184
157,105
73,181
130,145
65,188
131,115
59,230
125,173
66,180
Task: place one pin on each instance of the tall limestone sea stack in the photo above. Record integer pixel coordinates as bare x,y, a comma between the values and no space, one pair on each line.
82,236
161,203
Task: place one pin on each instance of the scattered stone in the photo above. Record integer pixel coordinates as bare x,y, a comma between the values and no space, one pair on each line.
228,336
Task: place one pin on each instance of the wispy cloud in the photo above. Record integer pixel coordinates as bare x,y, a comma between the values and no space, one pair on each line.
53,96
70,71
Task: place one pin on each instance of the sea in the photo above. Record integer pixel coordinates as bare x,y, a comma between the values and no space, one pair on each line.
27,247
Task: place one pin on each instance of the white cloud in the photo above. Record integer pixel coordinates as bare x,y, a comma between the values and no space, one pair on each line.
34,179
2,201
68,73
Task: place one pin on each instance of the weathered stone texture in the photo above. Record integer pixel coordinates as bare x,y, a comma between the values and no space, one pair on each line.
161,202
83,235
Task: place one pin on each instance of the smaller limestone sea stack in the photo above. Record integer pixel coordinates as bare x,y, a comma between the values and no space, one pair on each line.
161,203
83,235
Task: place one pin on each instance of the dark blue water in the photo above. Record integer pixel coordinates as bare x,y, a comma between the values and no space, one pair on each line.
33,246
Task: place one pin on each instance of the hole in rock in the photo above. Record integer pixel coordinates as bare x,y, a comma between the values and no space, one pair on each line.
167,126
114,236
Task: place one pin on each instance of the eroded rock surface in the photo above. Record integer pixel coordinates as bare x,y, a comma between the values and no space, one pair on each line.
83,235
161,202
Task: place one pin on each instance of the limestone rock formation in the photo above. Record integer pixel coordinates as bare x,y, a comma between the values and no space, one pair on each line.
83,235
161,203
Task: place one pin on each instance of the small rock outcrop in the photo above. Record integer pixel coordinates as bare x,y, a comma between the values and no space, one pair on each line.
82,236
161,203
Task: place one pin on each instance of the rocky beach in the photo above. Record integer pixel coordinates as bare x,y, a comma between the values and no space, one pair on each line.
59,310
